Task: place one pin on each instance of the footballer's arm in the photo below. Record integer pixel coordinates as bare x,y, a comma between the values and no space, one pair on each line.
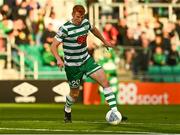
97,33
54,50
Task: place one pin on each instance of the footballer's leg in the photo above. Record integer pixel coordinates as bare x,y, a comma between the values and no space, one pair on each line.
97,73
70,99
100,77
74,76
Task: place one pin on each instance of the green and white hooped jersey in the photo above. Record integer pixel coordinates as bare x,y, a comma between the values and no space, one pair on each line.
74,42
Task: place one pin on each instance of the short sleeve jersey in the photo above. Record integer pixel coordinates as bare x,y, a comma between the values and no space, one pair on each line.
74,42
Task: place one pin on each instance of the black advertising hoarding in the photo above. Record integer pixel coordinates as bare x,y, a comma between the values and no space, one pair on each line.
34,91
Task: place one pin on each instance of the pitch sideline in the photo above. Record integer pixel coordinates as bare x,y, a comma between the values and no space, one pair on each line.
60,130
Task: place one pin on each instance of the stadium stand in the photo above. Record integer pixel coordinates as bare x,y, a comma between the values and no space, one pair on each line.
28,35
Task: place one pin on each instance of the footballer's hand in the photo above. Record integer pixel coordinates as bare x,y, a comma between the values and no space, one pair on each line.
60,64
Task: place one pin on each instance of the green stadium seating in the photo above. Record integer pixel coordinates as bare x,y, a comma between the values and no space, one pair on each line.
176,70
177,78
166,72
154,73
34,53
52,76
176,73
168,78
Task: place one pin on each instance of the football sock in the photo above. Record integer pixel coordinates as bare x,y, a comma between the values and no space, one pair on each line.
69,102
110,98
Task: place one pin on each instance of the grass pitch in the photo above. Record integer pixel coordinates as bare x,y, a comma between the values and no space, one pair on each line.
48,119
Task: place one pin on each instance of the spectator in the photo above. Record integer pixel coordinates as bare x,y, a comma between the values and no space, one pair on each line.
10,3
143,55
122,29
22,33
148,29
173,57
129,38
56,23
6,11
33,5
6,25
158,58
129,52
160,41
110,33
173,34
36,25
19,10
48,34
158,25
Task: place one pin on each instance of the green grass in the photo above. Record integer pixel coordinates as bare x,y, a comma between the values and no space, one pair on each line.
48,119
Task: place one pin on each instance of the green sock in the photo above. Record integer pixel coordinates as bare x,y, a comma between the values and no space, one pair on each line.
69,103
110,98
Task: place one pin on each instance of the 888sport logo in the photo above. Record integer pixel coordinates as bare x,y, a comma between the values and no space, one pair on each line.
127,93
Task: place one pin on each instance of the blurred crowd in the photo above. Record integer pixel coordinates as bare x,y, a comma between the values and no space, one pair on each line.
27,23
145,45
151,42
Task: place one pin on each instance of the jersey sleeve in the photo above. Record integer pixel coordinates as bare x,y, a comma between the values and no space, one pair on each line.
87,24
61,34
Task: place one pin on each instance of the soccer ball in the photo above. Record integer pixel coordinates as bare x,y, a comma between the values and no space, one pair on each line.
113,118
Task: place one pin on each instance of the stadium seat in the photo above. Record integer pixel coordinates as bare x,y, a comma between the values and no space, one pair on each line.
51,76
168,78
55,68
154,73
166,70
32,53
176,73
176,70
177,78
167,75
45,68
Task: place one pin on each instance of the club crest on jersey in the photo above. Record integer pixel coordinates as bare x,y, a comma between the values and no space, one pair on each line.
81,39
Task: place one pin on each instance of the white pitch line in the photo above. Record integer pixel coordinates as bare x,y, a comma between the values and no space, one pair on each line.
162,124
104,122
128,123
88,131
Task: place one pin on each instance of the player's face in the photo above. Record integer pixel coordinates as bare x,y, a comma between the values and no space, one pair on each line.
77,18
